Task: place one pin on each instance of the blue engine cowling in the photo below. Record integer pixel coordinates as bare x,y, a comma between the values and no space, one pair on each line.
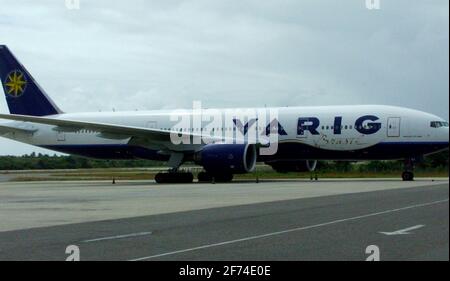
227,158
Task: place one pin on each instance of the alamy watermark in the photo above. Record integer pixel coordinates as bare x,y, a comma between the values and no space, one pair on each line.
72,4
373,252
373,4
230,126
73,253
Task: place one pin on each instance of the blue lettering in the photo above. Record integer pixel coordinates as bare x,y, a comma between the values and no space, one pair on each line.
275,126
244,128
338,125
370,127
308,124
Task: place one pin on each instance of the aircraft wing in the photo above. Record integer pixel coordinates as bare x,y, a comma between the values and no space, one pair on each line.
104,128
4,129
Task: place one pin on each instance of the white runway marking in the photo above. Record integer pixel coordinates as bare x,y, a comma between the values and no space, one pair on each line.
403,231
117,237
288,231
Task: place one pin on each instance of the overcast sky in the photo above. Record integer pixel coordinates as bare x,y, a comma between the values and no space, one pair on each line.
144,54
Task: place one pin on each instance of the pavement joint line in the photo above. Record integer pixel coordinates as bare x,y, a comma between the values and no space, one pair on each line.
288,230
117,237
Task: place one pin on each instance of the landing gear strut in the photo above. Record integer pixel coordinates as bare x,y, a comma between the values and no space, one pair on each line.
408,174
311,165
175,175
314,176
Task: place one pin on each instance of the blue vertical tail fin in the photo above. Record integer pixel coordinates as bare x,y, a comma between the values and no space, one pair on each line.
23,94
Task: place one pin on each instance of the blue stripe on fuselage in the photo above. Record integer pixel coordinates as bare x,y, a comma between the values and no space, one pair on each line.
381,151
109,151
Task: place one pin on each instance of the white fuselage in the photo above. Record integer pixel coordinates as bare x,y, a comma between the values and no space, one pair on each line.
338,129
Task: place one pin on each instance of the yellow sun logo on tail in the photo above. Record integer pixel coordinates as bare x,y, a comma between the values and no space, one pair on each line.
15,83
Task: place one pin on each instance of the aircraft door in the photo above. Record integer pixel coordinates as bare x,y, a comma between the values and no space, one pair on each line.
393,127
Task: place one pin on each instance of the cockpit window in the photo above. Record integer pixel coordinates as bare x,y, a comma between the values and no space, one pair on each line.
438,124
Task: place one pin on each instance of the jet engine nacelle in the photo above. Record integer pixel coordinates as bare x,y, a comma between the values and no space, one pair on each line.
286,166
227,158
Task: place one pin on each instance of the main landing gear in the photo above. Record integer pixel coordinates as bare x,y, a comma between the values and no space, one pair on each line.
174,177
208,177
408,174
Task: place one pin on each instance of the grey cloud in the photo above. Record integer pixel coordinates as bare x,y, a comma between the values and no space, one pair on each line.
165,54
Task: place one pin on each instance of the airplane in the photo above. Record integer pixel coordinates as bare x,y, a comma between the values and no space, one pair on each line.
301,135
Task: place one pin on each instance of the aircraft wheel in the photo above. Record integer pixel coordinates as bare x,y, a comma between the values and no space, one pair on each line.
408,176
178,177
204,177
223,178
159,178
187,177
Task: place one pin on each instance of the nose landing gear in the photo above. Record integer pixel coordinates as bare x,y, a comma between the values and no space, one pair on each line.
408,176
408,173
313,176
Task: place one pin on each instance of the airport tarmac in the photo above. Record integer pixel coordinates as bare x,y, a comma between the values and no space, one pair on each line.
270,220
